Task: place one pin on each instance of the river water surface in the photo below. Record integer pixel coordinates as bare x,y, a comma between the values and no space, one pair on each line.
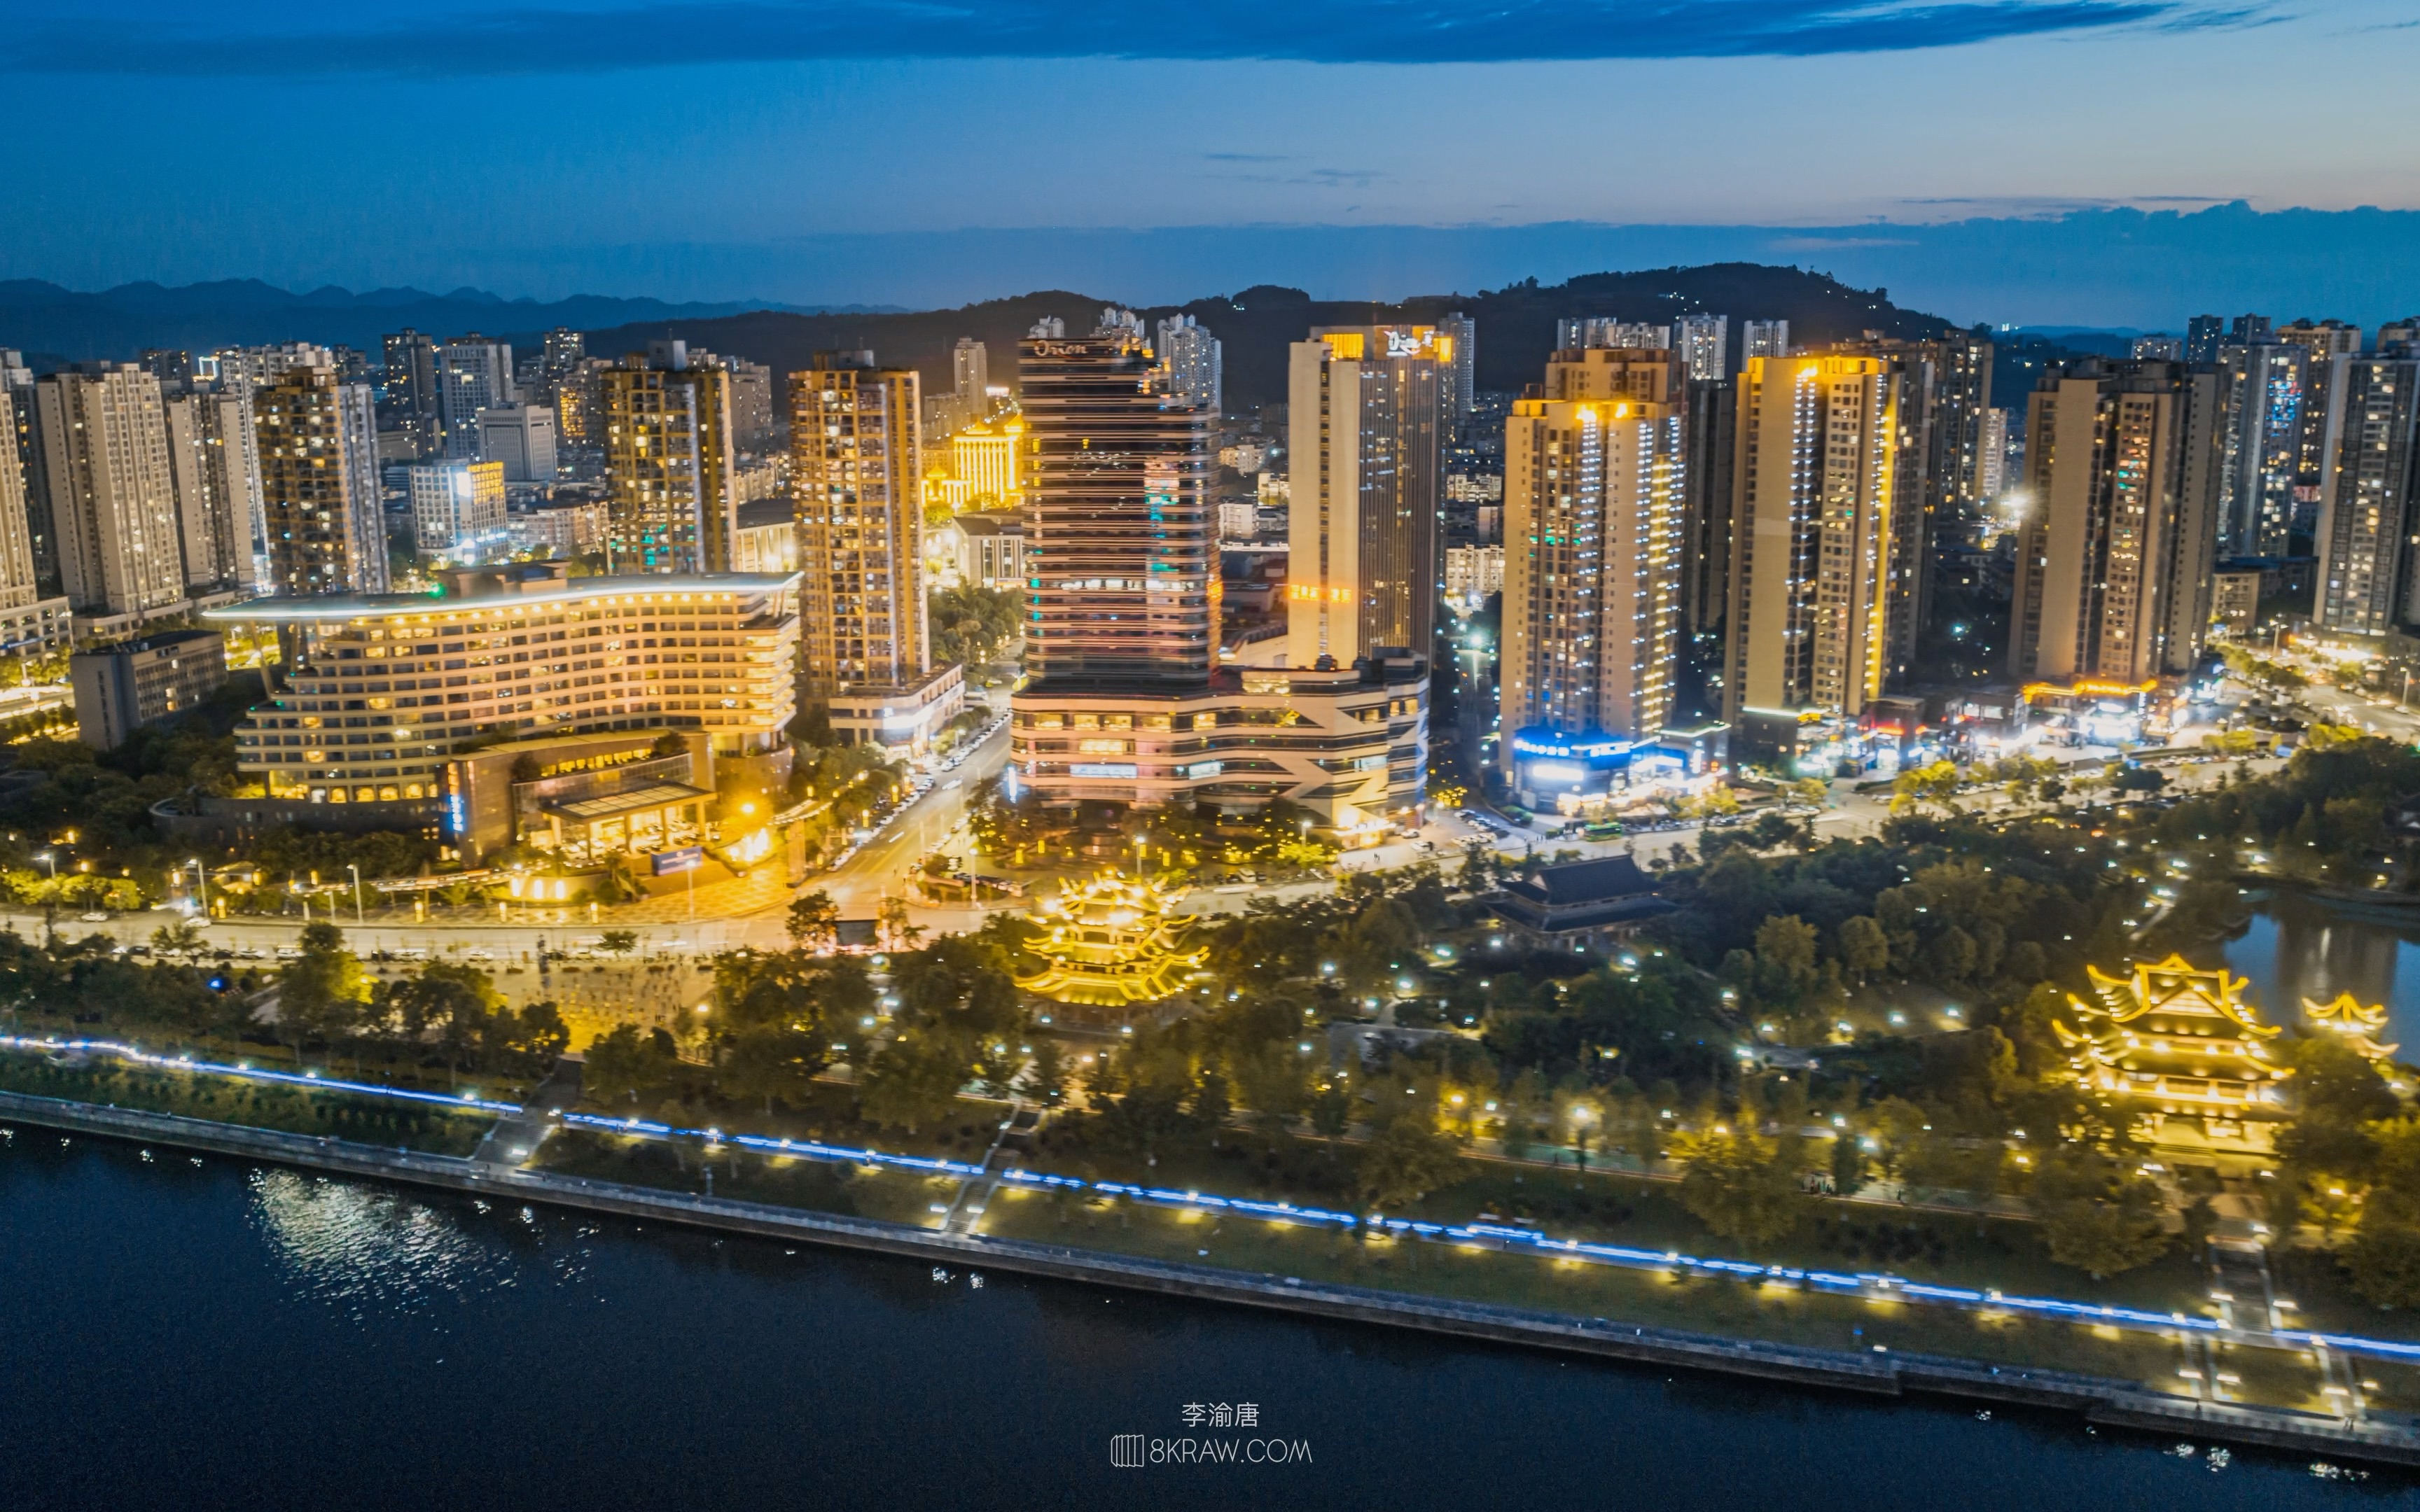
174,1335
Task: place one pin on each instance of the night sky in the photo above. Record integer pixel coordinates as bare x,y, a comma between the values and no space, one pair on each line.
2039,162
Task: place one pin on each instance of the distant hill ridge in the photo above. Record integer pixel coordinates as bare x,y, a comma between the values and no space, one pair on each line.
117,323
1516,324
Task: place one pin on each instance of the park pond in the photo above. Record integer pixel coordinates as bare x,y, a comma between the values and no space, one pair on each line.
2298,944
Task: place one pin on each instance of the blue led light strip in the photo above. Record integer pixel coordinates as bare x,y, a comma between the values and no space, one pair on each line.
1872,1285
307,1079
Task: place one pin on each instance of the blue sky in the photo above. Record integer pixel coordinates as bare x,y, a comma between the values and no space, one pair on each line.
1983,160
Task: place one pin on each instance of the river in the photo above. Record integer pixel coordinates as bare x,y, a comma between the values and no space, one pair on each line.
230,1335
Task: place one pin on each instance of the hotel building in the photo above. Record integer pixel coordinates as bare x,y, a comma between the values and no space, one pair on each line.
386,689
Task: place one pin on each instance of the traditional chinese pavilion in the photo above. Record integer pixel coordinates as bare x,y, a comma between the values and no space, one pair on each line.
2173,1040
2358,1025
1111,942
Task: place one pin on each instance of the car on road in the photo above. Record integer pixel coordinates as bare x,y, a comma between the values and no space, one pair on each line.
95,917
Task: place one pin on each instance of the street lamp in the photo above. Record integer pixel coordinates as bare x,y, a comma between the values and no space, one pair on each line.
50,860
203,878
357,892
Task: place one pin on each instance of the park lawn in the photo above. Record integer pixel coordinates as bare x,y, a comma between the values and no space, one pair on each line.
433,1128
2274,1378
1619,1209
791,1181
1701,1305
272,1056
2387,1385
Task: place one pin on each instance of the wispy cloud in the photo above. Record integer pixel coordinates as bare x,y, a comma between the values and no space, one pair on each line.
1247,157
266,40
1835,243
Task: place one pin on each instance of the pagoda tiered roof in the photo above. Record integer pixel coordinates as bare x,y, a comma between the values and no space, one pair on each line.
2177,1038
2356,1025
1112,942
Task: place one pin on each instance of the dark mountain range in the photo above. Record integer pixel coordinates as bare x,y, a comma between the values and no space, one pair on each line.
1516,325
68,325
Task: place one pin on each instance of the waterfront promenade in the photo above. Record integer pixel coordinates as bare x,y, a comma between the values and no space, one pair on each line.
2100,1400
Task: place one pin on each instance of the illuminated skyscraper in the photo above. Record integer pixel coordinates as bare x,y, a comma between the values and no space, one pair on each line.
970,375
2366,435
104,447
2262,387
671,504
215,455
1810,537
1119,531
1764,338
1703,343
411,397
472,374
1193,361
1362,453
1125,706
319,490
1591,593
1462,385
856,480
2114,558
2324,341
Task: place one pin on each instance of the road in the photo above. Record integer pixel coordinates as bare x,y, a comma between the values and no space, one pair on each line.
857,885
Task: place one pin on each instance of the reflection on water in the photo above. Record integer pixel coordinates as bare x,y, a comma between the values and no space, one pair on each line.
370,1250
450,1354
2299,947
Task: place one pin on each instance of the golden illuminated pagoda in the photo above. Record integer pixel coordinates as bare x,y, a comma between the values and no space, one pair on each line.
2359,1026
1111,942
2173,1038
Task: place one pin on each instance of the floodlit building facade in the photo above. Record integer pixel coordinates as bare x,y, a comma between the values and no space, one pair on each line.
671,498
112,490
855,462
2367,437
386,688
1363,453
1592,590
318,441
2113,563
458,510
1817,440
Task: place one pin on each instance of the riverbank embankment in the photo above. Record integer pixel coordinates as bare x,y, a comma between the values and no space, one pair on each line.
2099,1400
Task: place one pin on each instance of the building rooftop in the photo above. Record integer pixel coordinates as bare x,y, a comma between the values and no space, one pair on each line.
655,795
1584,881
979,523
758,512
574,590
